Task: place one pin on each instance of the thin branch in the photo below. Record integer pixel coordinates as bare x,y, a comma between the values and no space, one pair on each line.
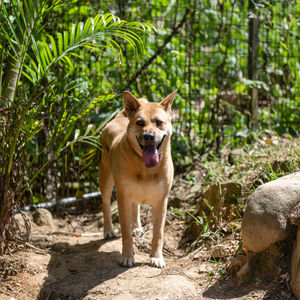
160,49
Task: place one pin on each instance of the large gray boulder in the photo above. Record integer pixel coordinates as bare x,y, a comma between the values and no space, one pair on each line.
267,215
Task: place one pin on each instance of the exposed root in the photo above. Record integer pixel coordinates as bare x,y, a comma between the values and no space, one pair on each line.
15,233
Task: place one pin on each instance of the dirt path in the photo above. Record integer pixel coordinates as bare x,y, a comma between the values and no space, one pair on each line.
88,268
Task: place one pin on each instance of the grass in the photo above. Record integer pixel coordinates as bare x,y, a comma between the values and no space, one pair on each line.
265,160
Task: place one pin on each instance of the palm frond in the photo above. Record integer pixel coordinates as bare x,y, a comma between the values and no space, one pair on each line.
98,33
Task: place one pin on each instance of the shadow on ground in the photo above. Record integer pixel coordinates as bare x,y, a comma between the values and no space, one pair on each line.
229,289
226,290
73,270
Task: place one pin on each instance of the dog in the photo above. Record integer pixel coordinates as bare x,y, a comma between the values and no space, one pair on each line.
136,159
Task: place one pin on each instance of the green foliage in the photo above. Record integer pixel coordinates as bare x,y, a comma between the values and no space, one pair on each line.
69,58
207,62
203,222
42,98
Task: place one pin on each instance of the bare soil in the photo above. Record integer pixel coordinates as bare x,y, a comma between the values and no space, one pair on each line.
78,267
60,263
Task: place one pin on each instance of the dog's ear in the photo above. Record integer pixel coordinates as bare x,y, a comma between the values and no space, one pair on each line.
167,102
131,104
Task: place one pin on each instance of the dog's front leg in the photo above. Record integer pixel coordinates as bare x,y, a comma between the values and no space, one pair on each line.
158,216
125,216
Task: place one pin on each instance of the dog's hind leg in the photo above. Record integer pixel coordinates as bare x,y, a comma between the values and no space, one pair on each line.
136,219
106,184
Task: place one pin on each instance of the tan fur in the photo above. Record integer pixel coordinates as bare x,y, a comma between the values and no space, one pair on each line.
122,165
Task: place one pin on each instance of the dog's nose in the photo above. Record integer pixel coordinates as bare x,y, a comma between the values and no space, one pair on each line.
148,137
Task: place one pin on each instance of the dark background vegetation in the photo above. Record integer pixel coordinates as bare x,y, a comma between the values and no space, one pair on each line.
202,48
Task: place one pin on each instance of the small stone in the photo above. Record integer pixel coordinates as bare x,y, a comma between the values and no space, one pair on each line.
237,156
43,217
203,269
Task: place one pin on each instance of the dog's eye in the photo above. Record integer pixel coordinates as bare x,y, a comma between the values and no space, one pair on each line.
140,123
159,122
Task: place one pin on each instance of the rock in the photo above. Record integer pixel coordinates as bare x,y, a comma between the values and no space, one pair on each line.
237,155
266,219
262,265
20,220
295,268
43,217
295,215
218,201
23,220
243,274
222,192
203,269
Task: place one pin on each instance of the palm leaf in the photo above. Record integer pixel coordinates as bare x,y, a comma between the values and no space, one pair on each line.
96,33
33,59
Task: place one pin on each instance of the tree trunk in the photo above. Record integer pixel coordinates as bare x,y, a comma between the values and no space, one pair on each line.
11,78
253,43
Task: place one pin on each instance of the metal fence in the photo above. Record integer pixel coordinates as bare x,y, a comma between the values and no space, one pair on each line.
203,48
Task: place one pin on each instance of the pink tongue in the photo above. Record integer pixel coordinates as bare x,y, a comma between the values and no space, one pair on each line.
150,156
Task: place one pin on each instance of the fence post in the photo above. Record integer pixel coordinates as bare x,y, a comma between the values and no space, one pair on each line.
253,42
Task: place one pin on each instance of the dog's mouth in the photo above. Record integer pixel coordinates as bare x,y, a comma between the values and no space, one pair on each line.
150,153
157,147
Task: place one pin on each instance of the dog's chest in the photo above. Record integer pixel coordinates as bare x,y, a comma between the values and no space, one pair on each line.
146,191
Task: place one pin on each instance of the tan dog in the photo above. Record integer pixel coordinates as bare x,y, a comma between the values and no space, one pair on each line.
136,158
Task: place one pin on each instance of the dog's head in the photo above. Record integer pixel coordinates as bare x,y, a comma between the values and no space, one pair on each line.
149,129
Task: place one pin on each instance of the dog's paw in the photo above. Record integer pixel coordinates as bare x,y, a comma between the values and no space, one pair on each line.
138,231
109,234
127,261
157,262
